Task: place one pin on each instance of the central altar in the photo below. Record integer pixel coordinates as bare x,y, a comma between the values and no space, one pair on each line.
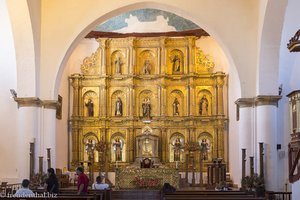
143,98
145,178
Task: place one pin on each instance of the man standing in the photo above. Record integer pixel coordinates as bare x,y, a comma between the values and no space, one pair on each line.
83,181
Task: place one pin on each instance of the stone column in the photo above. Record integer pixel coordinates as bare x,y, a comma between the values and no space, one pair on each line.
103,91
49,138
163,100
162,56
164,145
246,127
220,83
102,46
266,120
28,124
75,147
131,102
131,142
75,84
130,59
190,65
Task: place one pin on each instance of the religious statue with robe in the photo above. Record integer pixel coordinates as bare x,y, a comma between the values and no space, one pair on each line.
90,108
118,149
146,107
176,107
118,108
147,67
177,149
118,65
203,108
176,63
204,147
90,147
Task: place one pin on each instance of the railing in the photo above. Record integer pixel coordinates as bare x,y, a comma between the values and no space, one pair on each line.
278,195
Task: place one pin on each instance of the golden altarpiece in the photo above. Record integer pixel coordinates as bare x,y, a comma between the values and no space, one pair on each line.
147,97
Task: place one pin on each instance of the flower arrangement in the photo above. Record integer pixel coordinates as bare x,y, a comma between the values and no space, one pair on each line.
252,182
147,182
38,180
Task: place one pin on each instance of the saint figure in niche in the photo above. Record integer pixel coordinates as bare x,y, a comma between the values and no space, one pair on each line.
118,65
118,109
177,149
146,107
90,108
204,149
147,67
118,149
203,109
176,63
90,147
176,107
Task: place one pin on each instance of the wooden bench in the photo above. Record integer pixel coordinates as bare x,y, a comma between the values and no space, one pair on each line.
210,195
106,194
69,197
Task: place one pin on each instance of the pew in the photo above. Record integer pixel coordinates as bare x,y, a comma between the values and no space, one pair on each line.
63,197
210,195
106,194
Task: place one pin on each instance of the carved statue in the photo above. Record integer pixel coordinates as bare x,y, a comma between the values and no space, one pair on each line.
177,148
204,147
146,106
90,147
118,65
118,149
147,149
203,109
176,63
90,108
147,67
118,109
176,107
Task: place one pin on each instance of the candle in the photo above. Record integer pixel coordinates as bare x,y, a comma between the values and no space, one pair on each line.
176,164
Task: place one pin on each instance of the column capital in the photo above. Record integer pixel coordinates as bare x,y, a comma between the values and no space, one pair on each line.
244,102
261,100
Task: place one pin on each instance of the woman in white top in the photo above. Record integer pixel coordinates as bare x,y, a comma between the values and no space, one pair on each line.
99,185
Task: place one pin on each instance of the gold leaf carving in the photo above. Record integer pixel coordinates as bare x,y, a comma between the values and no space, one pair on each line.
204,63
91,65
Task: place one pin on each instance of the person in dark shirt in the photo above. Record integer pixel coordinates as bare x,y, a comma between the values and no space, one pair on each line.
51,182
83,182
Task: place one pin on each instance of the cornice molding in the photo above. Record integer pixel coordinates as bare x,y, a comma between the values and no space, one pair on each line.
99,34
35,102
259,100
244,102
262,100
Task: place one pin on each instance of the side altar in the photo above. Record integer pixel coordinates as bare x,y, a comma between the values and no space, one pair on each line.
145,178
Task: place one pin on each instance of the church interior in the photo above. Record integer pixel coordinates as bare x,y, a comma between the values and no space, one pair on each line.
198,94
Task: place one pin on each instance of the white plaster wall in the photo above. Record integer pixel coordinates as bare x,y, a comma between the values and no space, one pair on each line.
8,108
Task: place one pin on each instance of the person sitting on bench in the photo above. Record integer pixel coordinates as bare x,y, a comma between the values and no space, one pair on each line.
99,185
